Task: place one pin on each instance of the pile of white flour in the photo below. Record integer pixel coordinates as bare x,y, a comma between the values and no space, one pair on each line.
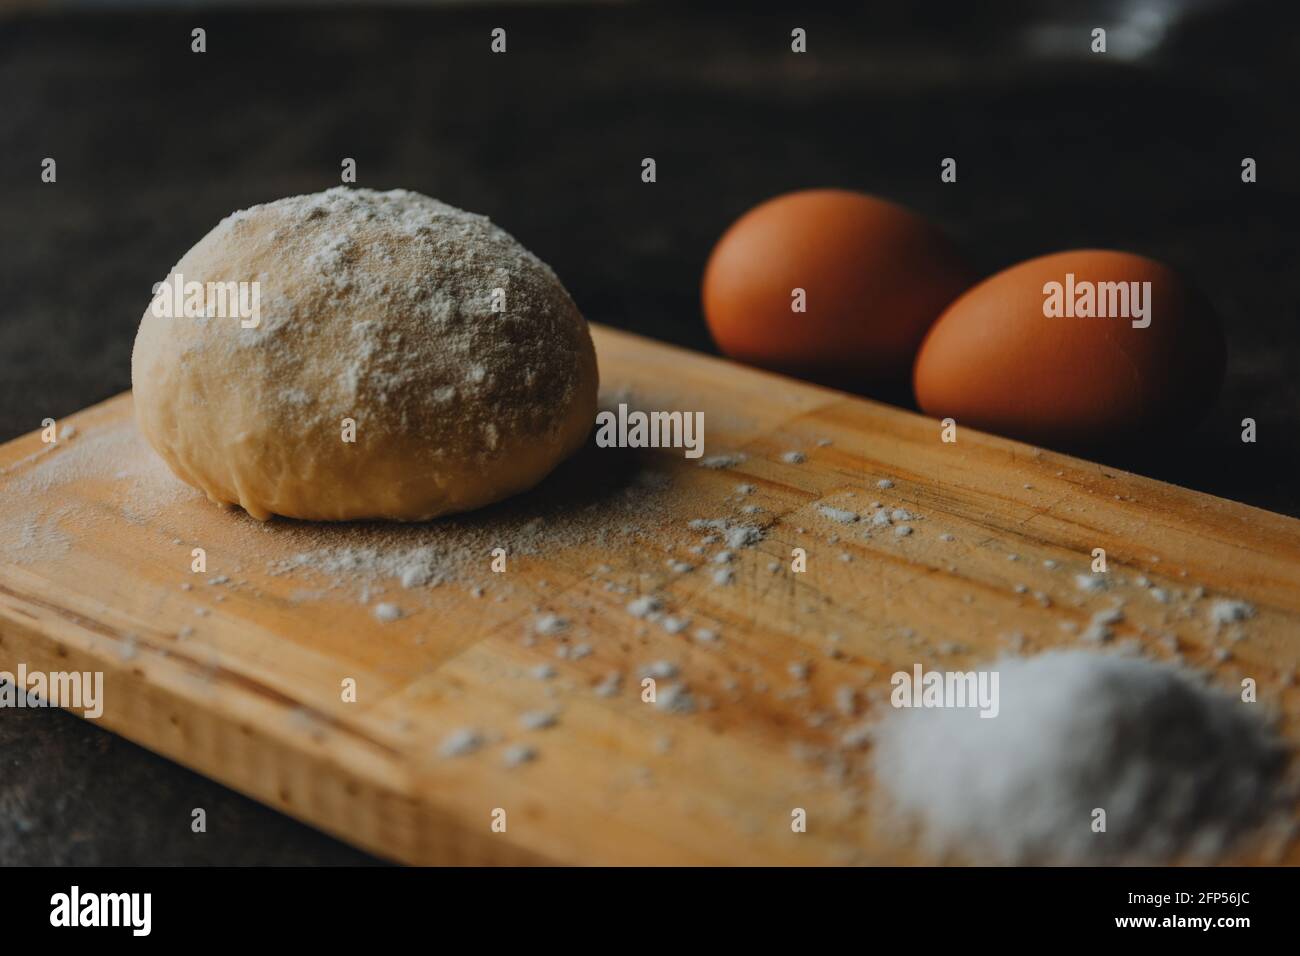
1180,769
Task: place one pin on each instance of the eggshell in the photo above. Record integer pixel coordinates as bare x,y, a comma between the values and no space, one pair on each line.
874,275
996,362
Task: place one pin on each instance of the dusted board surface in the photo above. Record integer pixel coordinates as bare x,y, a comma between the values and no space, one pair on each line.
240,678
1057,149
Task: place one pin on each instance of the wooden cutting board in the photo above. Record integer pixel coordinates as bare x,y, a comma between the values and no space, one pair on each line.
238,671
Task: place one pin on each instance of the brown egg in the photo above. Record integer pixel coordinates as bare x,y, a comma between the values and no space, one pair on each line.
873,276
998,361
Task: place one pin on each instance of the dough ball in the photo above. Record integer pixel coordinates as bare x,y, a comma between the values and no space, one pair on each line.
466,367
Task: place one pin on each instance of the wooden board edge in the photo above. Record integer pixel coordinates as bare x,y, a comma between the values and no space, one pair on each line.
302,783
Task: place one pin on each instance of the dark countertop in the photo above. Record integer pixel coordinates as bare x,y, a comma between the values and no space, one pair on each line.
1056,149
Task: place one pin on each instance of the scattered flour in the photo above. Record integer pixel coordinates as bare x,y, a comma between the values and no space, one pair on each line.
38,506
675,698
718,462
743,536
517,754
539,719
459,548
550,624
1230,612
387,612
1099,630
460,742
675,625
644,606
610,685
838,515
660,670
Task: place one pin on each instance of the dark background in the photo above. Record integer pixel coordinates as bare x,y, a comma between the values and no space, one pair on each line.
1139,149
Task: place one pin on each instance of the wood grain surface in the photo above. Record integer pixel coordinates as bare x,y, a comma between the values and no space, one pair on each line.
237,672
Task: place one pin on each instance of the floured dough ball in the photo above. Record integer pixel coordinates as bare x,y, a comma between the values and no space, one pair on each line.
468,371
